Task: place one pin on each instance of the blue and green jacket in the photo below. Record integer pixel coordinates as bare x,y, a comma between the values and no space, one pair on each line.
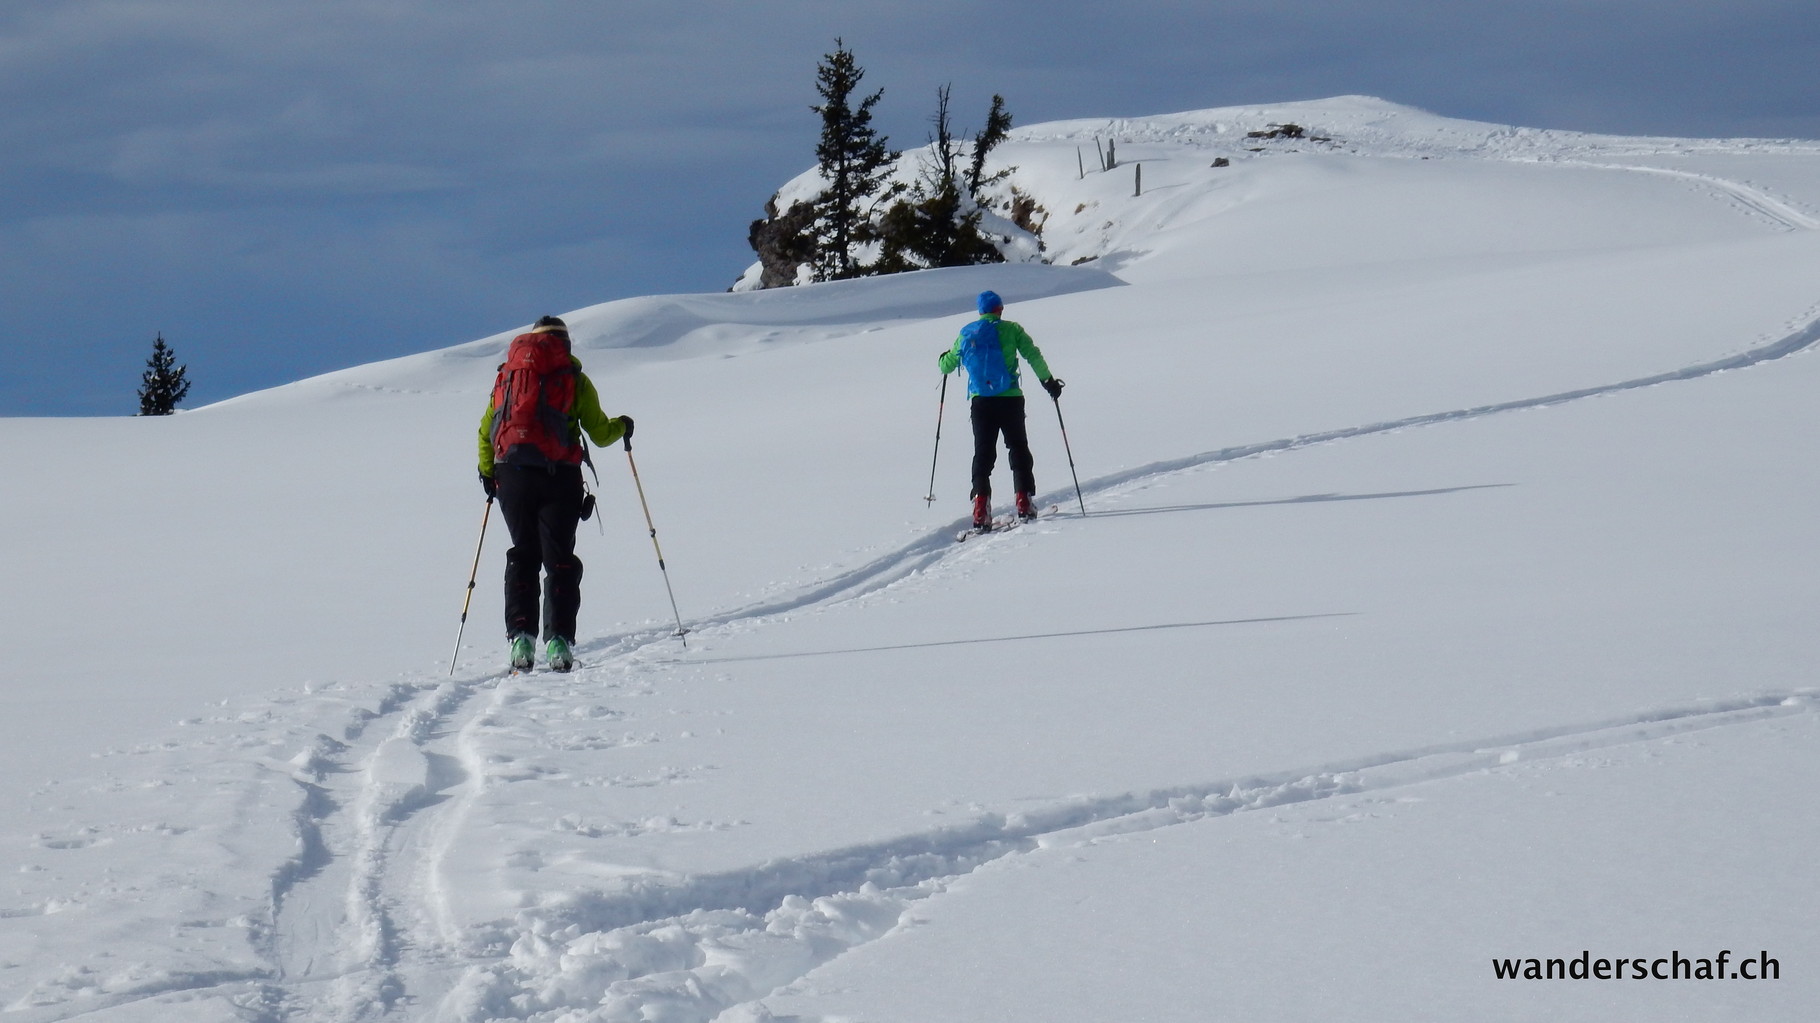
1014,342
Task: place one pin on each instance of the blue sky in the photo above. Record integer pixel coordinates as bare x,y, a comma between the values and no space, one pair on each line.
283,189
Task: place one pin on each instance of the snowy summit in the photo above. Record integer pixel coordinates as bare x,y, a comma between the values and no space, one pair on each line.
1439,623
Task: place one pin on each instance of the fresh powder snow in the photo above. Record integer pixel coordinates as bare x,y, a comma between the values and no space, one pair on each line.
1444,598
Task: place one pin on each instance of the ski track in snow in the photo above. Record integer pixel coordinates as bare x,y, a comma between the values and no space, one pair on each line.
361,918
920,554
338,941
1752,200
690,948
361,921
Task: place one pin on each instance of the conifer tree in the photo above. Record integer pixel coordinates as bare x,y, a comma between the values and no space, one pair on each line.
939,224
853,160
163,384
998,125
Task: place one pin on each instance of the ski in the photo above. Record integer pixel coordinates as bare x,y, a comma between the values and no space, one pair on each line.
1000,524
997,525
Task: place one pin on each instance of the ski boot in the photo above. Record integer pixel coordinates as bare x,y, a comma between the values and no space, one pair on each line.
559,655
522,649
1025,510
982,511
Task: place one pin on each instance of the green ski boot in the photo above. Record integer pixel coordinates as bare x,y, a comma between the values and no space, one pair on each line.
559,655
522,651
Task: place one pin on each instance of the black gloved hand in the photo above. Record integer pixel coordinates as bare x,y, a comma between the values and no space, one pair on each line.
1054,386
627,421
490,485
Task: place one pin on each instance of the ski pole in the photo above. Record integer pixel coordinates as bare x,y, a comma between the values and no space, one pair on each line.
472,574
1065,447
939,408
681,633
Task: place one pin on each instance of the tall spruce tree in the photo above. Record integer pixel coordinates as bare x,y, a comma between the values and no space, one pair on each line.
163,384
853,159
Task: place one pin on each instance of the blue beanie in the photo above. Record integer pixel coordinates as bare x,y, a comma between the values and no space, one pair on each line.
990,302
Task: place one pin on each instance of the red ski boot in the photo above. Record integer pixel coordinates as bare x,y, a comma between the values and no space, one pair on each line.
982,511
1025,510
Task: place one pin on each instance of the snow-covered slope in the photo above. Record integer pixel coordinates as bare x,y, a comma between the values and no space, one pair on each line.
1442,597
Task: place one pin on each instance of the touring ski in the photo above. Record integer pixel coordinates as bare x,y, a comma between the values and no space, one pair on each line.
1000,524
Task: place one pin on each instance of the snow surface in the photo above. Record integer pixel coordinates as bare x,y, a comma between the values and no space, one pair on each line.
1445,595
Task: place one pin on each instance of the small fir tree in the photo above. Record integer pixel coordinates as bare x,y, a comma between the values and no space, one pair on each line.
853,159
163,384
998,126
938,225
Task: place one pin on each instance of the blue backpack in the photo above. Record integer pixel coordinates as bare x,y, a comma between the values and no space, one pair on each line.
984,357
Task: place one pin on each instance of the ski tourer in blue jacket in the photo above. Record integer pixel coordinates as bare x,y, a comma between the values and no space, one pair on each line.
989,349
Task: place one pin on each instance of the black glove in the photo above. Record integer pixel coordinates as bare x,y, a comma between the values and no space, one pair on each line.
627,420
1054,386
490,485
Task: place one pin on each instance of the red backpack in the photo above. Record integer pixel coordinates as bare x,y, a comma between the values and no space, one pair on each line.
532,402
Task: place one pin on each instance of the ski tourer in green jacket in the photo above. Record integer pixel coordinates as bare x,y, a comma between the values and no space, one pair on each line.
531,452
585,415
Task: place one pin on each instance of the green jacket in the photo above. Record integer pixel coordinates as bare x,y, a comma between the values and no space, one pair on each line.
1015,342
585,416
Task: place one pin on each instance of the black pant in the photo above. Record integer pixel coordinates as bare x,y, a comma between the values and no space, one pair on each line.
991,417
541,507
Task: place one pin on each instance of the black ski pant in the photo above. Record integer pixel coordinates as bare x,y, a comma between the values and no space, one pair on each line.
991,417
542,507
